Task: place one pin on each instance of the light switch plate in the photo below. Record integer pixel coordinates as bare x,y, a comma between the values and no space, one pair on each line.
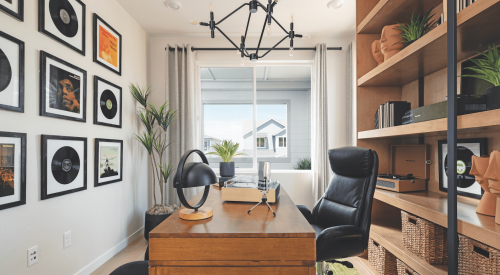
33,255
67,239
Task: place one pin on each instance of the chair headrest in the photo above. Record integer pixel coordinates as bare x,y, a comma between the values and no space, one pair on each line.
355,162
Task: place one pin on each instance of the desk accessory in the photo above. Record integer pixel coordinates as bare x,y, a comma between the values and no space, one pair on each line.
487,204
409,169
264,176
247,189
493,176
194,174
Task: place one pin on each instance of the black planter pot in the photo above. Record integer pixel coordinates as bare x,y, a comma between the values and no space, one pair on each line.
493,98
227,169
153,221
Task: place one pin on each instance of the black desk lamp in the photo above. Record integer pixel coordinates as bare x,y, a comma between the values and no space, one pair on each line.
194,174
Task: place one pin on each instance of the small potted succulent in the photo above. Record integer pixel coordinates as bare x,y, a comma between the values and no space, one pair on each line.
227,149
488,68
419,26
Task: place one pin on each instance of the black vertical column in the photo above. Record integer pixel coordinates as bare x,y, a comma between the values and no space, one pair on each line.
452,137
421,137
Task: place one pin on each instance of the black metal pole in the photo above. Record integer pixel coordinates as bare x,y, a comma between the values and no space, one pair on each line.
421,137
452,137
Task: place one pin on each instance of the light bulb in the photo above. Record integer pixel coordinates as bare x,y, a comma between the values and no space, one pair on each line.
194,23
292,18
242,61
269,30
335,4
238,52
291,51
211,7
306,36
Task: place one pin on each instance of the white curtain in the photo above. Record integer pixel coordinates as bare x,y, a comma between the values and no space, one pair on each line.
351,95
320,164
183,95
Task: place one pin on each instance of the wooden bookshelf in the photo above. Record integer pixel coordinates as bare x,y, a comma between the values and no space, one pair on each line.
477,122
428,54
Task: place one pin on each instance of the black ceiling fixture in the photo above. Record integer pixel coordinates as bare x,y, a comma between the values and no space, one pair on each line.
253,6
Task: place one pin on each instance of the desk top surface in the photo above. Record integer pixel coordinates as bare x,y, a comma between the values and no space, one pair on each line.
231,220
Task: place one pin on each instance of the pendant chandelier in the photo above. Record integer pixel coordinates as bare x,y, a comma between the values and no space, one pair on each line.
254,5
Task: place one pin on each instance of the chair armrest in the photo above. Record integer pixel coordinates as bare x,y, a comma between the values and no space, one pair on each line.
339,242
306,213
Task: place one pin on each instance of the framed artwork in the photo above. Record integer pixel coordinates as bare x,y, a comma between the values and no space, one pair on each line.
107,45
107,103
466,148
11,73
64,21
14,8
108,161
64,165
63,89
12,169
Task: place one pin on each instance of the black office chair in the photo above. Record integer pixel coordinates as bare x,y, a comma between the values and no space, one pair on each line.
342,217
134,268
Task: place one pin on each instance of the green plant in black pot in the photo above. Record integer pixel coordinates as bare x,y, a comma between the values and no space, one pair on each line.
488,68
227,150
418,26
303,164
156,121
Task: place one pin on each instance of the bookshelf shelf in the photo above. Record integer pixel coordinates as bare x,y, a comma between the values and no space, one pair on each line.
428,54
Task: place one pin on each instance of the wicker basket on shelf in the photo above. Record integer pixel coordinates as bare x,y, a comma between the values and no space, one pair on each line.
403,269
425,239
475,258
381,259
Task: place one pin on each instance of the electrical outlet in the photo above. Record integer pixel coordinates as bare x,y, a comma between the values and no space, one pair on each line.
32,255
67,239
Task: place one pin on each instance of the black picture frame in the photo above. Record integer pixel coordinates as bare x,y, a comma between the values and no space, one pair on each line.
42,27
45,161
21,61
19,15
483,148
43,91
22,199
97,18
98,79
97,161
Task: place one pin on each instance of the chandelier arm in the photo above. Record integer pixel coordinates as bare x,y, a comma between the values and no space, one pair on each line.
228,39
231,13
274,46
262,6
261,35
280,25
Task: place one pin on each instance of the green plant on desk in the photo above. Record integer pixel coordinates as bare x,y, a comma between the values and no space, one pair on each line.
227,150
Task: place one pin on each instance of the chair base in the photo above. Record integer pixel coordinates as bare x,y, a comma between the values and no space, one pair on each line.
322,268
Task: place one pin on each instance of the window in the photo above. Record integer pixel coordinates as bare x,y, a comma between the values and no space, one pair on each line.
271,121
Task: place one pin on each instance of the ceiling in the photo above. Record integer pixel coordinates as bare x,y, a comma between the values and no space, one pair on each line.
294,73
311,17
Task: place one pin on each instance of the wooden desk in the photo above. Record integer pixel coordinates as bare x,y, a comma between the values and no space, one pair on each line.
235,242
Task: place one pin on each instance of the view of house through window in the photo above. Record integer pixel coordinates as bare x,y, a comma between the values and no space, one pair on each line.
278,132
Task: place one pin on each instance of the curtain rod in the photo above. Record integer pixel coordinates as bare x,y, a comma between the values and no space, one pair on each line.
252,49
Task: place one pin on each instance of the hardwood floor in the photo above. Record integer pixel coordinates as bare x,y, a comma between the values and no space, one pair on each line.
133,252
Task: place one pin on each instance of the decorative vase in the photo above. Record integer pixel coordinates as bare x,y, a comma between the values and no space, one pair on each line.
227,169
377,54
493,98
487,204
152,221
390,41
493,176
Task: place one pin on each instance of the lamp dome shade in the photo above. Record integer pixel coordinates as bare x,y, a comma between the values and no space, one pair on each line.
196,174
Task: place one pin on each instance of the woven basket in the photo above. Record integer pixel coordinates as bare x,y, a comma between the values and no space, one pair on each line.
403,269
425,239
381,259
477,258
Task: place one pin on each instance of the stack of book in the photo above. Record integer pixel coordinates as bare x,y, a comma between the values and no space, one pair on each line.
462,4
391,114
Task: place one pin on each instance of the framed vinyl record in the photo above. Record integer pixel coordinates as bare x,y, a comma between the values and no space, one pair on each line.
11,73
108,161
64,21
64,165
12,169
107,45
107,103
466,183
14,8
63,89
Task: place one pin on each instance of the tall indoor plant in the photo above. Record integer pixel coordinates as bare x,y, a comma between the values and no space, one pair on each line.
487,68
226,150
418,26
154,138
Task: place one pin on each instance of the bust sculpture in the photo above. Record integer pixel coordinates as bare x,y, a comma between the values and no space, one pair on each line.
493,176
377,54
391,41
487,204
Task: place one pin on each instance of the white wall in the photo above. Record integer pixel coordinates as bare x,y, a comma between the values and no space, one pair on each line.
299,187
101,219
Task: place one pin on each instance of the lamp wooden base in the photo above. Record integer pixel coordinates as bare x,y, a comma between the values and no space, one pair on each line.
191,215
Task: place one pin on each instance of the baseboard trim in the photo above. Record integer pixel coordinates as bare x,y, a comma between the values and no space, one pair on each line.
110,253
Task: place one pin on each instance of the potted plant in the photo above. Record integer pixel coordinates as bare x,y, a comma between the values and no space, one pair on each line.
226,150
154,138
419,26
488,68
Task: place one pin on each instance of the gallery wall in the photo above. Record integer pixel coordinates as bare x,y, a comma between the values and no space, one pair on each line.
298,183
102,219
